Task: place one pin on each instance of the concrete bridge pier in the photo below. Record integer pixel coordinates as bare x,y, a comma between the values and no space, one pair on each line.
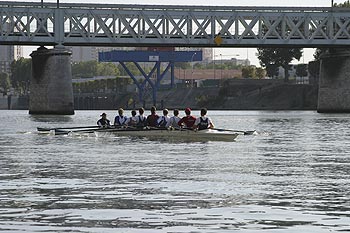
334,83
51,90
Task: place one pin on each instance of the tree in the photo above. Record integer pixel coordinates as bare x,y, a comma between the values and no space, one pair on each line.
301,70
183,65
248,72
89,69
21,73
275,57
345,4
107,69
4,82
272,70
260,72
318,53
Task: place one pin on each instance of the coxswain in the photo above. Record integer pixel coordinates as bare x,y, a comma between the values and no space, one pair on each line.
103,122
162,121
188,120
203,122
141,119
132,121
120,119
152,119
174,120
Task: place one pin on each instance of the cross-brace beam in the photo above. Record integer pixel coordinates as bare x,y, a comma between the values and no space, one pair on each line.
148,78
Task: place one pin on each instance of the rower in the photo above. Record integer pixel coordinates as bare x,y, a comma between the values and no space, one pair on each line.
203,122
188,120
120,119
152,119
103,122
141,119
162,121
174,120
132,121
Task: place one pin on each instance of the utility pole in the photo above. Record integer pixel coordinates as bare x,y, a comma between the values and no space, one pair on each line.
192,69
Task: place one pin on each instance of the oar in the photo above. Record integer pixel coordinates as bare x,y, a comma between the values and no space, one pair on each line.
251,132
110,129
77,127
63,131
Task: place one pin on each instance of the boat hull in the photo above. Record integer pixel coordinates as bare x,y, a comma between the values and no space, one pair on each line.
182,135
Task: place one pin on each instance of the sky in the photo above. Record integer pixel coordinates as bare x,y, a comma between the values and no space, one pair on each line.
227,53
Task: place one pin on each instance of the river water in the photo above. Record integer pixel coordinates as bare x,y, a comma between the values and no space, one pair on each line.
294,176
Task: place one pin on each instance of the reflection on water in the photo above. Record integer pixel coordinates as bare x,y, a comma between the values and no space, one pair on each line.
292,177
50,118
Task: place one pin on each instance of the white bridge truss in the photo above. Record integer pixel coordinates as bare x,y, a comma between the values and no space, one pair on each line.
24,23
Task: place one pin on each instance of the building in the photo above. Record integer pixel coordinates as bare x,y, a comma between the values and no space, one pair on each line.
7,56
80,53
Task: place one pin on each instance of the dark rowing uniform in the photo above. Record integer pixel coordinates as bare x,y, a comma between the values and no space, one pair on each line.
103,122
141,121
203,124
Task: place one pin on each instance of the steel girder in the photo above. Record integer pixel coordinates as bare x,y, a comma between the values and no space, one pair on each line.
195,26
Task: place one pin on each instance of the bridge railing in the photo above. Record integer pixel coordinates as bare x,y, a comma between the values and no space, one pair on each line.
162,25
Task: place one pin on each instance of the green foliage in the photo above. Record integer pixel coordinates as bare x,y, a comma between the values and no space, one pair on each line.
95,86
89,69
260,72
222,65
345,4
301,70
5,83
132,68
202,100
318,53
272,58
314,68
272,70
217,64
183,65
21,73
107,69
248,72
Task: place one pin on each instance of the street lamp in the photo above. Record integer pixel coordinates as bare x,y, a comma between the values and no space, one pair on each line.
221,61
214,64
221,66
192,68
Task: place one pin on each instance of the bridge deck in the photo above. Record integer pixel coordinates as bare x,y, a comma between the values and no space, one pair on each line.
25,23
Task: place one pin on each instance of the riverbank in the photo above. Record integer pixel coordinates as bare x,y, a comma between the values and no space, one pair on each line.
243,95
232,95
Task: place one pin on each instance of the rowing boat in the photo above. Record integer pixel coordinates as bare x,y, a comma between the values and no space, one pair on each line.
178,134
151,132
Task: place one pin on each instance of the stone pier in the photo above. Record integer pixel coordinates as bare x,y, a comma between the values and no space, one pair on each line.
334,83
51,90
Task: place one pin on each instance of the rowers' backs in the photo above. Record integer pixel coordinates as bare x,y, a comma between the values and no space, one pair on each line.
164,121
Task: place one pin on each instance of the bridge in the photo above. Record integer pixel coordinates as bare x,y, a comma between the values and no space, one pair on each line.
24,23
28,23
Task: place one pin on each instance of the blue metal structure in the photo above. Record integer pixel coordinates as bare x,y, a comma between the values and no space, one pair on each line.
156,57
